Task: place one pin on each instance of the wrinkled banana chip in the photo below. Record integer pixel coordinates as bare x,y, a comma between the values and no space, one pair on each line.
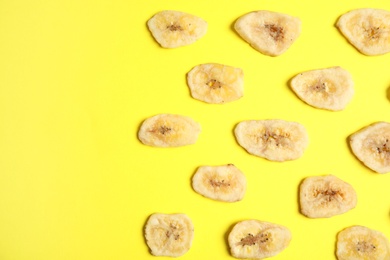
172,29
326,196
371,145
330,88
223,183
216,83
268,32
169,130
275,140
169,234
359,242
258,239
368,30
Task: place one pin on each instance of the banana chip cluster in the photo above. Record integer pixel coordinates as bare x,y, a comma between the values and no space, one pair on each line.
270,33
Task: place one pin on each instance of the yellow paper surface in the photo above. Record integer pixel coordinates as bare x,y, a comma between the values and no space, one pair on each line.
77,78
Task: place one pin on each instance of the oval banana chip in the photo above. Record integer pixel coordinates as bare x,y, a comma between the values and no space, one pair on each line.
224,183
169,130
256,239
275,140
172,29
367,29
326,196
330,88
268,32
371,145
359,242
169,234
216,83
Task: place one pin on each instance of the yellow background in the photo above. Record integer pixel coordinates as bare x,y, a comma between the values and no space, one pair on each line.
77,78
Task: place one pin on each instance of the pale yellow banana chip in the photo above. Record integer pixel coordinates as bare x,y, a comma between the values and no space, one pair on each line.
330,88
258,239
169,234
270,33
371,145
367,29
169,130
362,243
275,140
223,183
172,29
326,196
216,83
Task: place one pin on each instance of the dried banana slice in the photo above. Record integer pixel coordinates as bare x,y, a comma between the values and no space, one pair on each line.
367,29
169,234
224,183
258,239
330,88
172,29
326,196
268,32
216,83
358,242
371,145
275,140
169,130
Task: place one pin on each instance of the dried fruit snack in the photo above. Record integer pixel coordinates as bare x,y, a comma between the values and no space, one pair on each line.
169,234
169,130
216,83
371,145
362,243
367,29
275,139
258,239
172,29
270,33
224,183
326,196
330,88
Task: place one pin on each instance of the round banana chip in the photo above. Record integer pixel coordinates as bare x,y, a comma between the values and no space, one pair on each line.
371,145
258,239
268,32
169,130
216,83
326,196
275,140
224,183
172,29
169,234
367,29
358,242
330,88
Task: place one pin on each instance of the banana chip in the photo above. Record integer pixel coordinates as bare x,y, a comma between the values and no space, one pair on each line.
268,32
169,234
275,140
367,29
330,88
172,29
371,145
258,239
362,243
326,196
169,130
216,83
224,183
